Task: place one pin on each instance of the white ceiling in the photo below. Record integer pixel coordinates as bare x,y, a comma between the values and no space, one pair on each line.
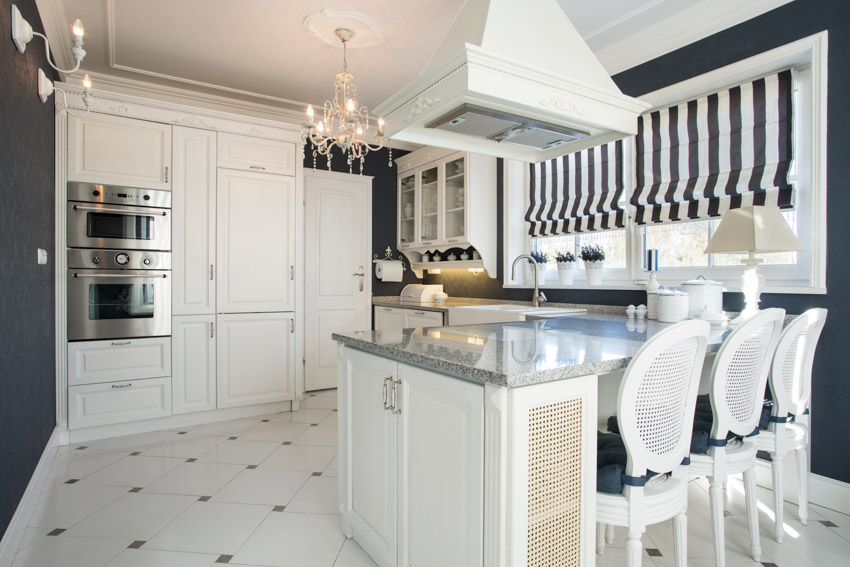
260,51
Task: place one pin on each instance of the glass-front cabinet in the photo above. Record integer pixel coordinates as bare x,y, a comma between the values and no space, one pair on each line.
447,209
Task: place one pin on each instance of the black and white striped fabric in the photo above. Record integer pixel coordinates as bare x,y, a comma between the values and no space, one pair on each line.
727,150
578,192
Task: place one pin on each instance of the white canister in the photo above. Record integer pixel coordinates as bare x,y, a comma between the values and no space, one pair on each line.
705,295
652,304
672,306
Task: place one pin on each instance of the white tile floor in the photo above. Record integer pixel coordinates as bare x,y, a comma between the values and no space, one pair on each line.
262,492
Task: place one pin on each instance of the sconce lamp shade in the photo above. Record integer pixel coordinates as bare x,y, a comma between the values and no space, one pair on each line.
753,229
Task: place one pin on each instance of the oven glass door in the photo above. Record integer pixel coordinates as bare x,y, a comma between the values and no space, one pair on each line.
118,304
91,225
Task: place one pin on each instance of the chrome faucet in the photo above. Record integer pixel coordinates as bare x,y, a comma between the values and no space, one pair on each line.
538,298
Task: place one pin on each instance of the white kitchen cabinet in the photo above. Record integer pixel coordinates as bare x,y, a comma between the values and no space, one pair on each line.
114,150
411,487
255,242
95,362
118,402
397,318
255,361
193,222
256,154
371,507
441,469
193,380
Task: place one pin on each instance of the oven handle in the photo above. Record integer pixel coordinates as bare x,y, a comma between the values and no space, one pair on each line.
108,210
76,275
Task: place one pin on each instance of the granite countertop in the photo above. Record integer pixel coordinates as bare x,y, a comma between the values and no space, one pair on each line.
522,353
395,301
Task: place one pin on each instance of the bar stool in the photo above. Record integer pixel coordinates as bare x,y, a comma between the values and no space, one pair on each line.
738,379
791,386
655,408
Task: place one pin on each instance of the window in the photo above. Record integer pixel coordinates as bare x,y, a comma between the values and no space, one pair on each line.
682,243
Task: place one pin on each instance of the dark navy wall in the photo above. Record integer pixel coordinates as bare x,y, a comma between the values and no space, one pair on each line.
27,377
831,388
830,419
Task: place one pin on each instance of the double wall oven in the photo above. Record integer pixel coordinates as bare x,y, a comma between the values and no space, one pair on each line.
119,262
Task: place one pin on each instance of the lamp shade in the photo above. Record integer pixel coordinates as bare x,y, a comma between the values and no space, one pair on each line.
753,229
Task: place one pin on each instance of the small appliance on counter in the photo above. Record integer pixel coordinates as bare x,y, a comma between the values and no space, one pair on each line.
420,293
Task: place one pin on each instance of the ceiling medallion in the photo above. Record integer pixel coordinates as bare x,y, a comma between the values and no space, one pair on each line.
344,123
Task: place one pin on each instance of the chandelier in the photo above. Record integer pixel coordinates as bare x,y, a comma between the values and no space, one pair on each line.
344,123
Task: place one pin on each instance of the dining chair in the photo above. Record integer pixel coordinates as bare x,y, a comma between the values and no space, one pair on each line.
655,408
738,378
790,387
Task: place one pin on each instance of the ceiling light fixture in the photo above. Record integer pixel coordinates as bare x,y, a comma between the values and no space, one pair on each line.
22,34
46,87
344,124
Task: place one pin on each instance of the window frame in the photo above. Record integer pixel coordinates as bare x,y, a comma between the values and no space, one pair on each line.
808,57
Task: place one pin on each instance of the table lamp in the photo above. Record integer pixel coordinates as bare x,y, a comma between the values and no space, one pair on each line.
652,267
752,230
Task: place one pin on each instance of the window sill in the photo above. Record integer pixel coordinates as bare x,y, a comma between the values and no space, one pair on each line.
791,290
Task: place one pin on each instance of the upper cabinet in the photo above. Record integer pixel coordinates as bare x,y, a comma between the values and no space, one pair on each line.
256,154
447,200
114,150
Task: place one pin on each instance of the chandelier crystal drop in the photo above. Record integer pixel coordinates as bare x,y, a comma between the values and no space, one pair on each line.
344,123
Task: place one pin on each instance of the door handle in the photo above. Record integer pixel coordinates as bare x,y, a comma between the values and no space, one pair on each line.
361,274
385,390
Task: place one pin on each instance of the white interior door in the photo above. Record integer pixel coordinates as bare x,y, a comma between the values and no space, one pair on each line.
338,243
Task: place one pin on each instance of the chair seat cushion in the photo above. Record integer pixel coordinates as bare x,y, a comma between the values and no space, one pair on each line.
611,459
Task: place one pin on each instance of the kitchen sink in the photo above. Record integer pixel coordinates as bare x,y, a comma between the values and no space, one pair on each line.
503,313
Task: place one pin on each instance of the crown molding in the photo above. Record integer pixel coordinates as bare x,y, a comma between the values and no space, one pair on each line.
702,20
57,28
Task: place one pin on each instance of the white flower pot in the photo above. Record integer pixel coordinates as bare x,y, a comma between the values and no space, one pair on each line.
541,274
593,270
566,272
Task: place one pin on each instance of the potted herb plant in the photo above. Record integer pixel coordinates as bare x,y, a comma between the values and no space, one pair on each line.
542,258
566,267
594,260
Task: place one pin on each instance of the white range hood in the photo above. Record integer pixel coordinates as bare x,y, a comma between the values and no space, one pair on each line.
512,79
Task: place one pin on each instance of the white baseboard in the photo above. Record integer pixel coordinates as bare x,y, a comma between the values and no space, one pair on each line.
18,524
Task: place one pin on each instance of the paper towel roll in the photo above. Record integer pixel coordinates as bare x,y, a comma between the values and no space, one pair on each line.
389,270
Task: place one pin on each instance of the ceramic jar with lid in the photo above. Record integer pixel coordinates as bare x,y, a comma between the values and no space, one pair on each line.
705,296
672,306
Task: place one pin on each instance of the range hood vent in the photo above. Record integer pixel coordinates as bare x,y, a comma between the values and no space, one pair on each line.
502,127
514,80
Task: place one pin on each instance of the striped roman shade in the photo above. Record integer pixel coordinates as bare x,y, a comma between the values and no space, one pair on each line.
578,192
723,151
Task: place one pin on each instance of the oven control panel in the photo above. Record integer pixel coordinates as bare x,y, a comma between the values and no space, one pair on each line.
119,260
114,195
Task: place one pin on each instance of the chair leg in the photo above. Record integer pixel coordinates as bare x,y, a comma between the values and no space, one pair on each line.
776,467
752,512
715,494
634,549
600,538
680,539
725,495
803,483
609,534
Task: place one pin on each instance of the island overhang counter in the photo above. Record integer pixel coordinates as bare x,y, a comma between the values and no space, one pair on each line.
476,445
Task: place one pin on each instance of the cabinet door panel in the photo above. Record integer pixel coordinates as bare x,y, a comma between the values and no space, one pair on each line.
370,470
193,363
119,151
193,222
441,469
254,358
256,242
256,154
118,402
414,318
94,362
389,319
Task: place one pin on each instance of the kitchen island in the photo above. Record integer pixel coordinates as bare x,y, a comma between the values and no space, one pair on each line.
476,445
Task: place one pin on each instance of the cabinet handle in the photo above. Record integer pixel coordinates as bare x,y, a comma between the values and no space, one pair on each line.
121,343
212,330
119,386
453,240
292,325
361,274
385,388
258,167
395,408
428,243
419,313
212,272
292,272
166,174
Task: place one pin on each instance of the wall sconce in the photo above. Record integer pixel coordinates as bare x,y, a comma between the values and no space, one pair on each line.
47,88
22,34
